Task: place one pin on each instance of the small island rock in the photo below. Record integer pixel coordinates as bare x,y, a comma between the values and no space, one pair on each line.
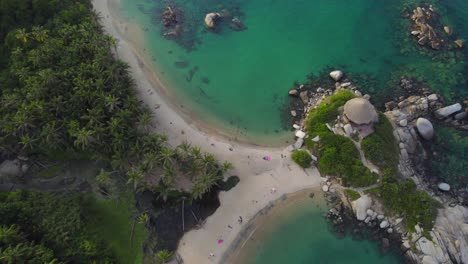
425,128
210,19
293,92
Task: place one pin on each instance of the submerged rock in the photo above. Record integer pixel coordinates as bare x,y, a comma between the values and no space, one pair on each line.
425,128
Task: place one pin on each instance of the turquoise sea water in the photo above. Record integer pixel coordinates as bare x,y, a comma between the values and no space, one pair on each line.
237,82
300,234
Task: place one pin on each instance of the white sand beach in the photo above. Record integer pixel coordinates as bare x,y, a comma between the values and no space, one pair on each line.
257,176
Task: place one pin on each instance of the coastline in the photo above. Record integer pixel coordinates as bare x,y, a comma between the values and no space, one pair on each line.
131,36
236,252
251,195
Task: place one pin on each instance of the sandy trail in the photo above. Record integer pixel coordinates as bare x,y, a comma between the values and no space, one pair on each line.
257,176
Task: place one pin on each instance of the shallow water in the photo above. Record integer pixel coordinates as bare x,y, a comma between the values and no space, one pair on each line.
300,234
238,81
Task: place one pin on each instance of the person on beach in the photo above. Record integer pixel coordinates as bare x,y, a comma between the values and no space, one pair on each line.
240,220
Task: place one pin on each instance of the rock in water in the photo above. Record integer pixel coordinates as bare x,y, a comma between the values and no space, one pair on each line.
448,110
293,113
459,43
336,75
293,92
211,18
425,128
448,30
444,187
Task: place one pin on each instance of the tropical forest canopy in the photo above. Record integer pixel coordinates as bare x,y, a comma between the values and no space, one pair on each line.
64,96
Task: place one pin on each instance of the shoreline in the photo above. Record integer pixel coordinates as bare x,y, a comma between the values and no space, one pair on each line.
236,250
133,37
257,176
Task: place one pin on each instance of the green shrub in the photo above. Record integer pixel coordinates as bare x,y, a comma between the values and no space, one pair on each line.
326,112
381,147
403,198
352,194
302,158
339,156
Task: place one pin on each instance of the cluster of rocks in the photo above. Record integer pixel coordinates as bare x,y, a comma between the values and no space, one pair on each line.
411,118
427,29
412,128
213,19
371,216
447,241
172,21
311,97
169,17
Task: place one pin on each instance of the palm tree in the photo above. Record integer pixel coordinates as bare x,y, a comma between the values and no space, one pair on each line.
39,33
183,151
208,161
165,156
112,102
168,176
22,35
203,184
84,137
227,166
196,152
143,218
145,121
134,175
10,235
164,255
163,191
150,159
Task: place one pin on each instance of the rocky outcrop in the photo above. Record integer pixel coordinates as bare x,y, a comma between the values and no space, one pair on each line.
422,29
169,17
448,241
211,19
